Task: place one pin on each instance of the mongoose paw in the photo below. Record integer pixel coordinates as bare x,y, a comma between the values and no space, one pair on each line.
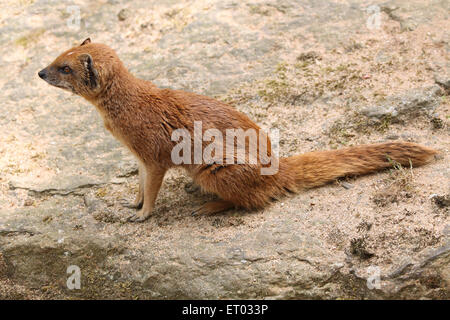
141,216
212,207
136,218
136,205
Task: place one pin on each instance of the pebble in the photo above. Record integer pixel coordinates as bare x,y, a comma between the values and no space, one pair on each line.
346,185
123,14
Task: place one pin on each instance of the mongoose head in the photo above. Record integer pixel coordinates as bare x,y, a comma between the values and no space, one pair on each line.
84,70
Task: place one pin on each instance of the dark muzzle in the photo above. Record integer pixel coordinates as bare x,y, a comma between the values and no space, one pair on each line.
43,74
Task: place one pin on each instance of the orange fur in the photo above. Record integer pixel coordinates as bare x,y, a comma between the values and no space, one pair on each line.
143,117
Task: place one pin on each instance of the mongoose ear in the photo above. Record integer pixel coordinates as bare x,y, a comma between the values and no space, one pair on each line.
90,73
88,40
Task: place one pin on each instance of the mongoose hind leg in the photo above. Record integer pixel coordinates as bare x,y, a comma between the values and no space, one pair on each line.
152,183
213,207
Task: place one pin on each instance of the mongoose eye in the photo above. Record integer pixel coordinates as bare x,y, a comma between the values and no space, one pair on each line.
65,70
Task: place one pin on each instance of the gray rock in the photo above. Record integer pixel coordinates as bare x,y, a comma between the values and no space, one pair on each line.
412,103
277,262
443,80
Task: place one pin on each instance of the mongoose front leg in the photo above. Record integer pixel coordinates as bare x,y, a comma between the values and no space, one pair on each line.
140,196
152,183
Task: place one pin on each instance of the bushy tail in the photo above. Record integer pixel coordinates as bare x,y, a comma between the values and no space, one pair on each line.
317,168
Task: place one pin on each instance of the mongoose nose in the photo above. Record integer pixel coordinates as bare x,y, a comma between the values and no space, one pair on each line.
42,74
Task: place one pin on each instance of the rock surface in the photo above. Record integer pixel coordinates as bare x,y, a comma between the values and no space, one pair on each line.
410,104
301,67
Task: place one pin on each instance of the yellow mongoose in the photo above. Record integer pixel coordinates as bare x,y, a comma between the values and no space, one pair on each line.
144,117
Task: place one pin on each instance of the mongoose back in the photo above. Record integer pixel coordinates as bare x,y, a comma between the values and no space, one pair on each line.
143,117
